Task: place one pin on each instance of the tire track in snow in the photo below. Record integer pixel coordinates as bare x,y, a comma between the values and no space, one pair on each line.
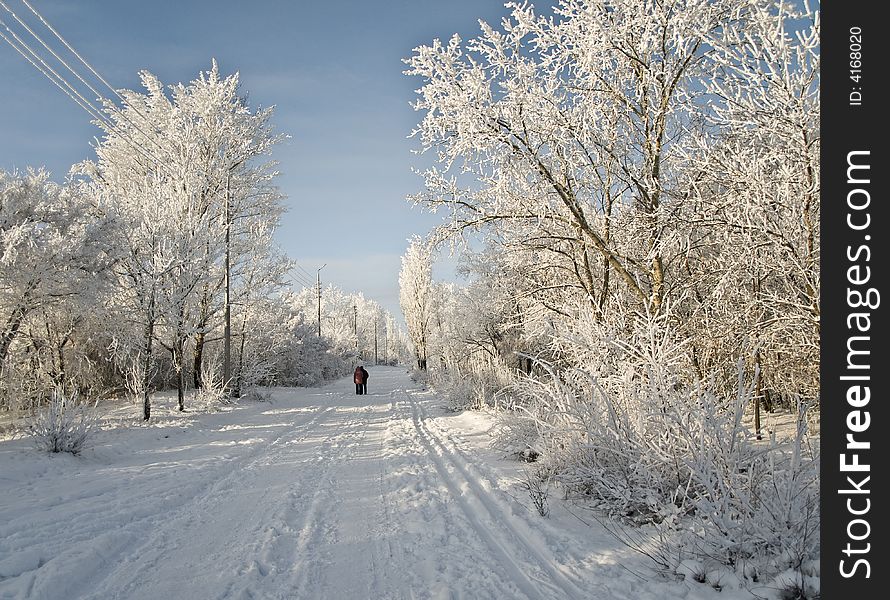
317,529
283,552
489,482
295,525
144,557
383,551
443,457
392,552
87,559
399,572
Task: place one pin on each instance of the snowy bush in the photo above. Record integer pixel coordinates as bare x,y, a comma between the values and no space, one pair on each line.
419,376
135,379
609,430
63,425
537,485
516,435
757,505
17,391
257,367
213,391
642,445
475,386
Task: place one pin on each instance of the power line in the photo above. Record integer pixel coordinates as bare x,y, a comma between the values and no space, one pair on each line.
44,67
80,58
299,275
305,272
88,66
301,280
50,50
47,71
86,105
71,91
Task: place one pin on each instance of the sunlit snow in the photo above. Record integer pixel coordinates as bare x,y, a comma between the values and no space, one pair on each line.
317,494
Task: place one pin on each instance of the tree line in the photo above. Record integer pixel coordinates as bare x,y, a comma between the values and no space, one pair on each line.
640,182
118,279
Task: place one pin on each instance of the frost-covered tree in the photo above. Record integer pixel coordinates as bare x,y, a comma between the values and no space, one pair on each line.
415,297
230,145
259,281
642,180
52,250
186,173
756,200
145,268
350,321
625,154
566,134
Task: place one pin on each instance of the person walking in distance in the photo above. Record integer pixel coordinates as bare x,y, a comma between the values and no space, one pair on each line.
359,379
364,380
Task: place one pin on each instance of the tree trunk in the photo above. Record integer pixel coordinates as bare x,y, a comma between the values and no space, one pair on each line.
200,338
758,374
657,296
146,369
179,367
236,384
60,356
198,361
13,324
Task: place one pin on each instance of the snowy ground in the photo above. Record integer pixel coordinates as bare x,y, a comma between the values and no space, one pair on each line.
320,494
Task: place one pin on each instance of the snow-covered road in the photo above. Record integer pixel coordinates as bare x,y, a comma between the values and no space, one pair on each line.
318,494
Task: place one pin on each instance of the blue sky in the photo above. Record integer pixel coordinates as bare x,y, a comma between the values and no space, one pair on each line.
333,71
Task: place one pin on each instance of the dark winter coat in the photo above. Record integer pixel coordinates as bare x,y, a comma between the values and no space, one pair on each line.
360,375
364,375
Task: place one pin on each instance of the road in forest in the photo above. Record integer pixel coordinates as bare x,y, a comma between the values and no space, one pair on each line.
318,494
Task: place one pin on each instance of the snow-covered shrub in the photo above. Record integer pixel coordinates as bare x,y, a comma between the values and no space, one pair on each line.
256,394
63,425
537,485
306,360
17,391
794,584
420,376
134,378
629,435
257,368
213,391
756,504
475,386
516,435
608,430
255,376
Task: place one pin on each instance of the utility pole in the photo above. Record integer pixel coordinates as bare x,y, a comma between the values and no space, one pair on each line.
318,281
227,334
376,362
